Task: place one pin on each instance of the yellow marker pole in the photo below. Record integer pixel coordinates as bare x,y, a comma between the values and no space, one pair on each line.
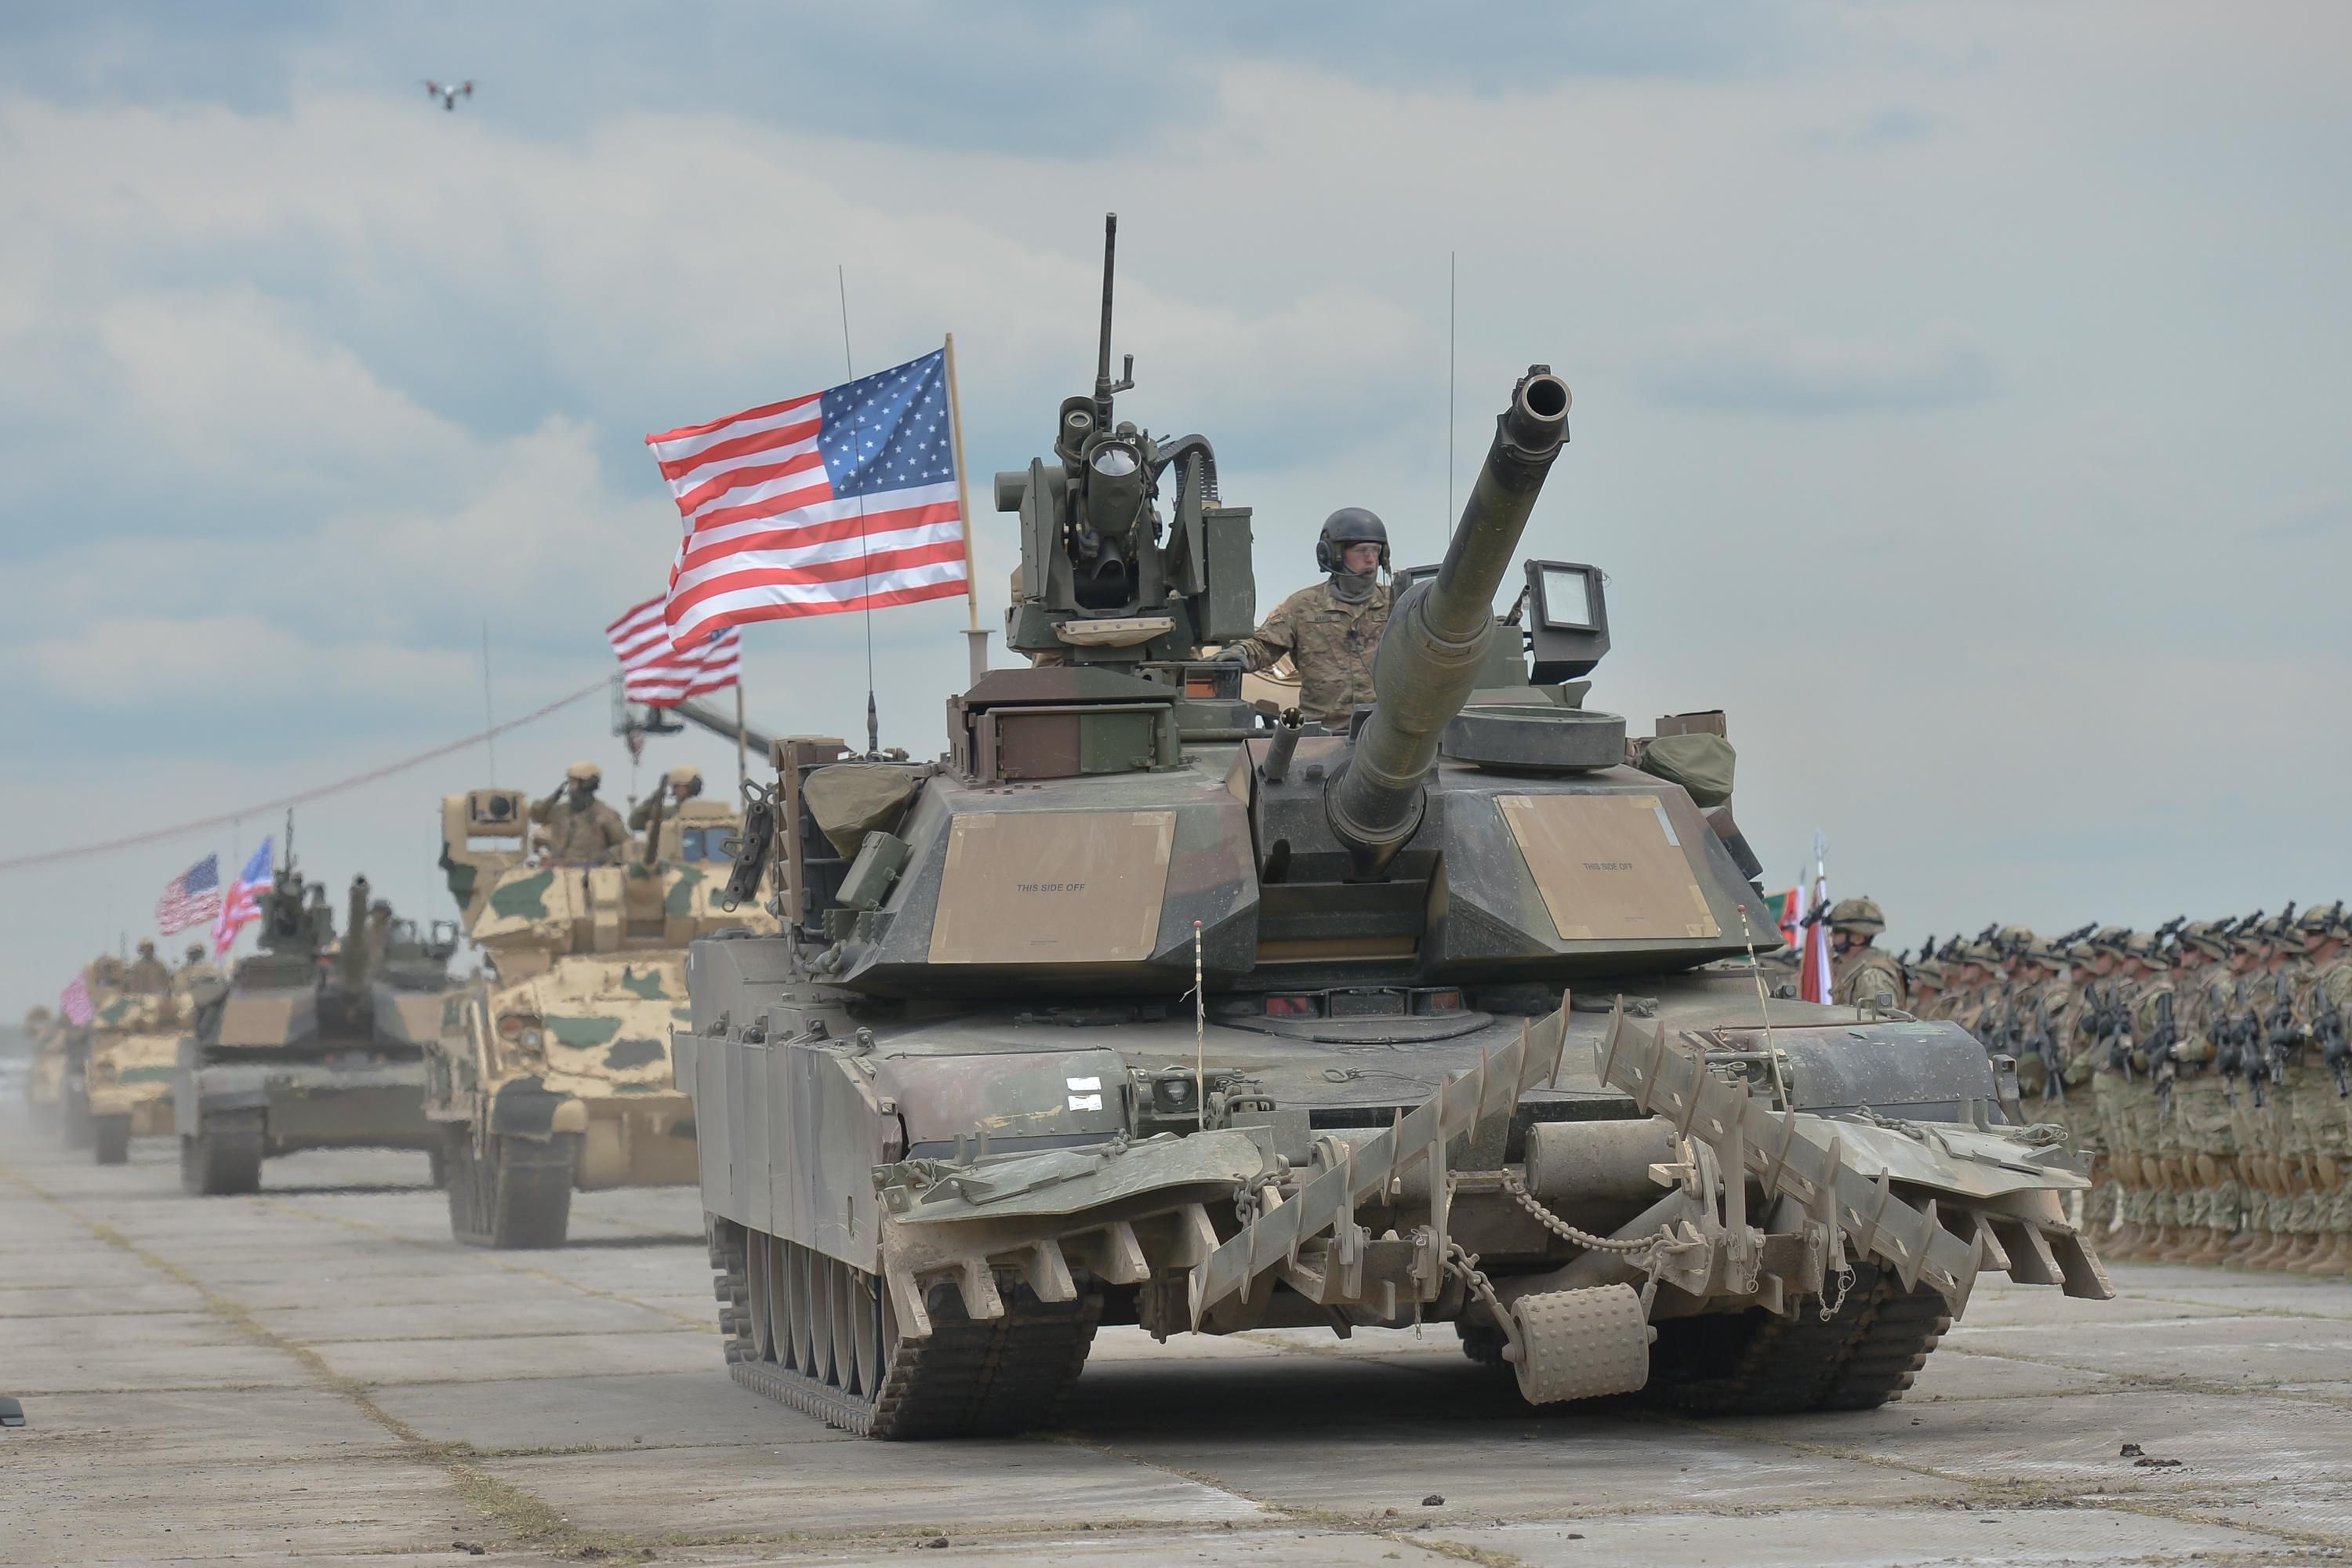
974,637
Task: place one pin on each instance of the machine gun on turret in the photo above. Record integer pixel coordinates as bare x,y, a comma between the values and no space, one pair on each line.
1105,579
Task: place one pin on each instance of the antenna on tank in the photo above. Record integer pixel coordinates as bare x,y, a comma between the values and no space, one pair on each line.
1104,387
1448,530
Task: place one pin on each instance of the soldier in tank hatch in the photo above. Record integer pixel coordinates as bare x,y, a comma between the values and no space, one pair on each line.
683,782
147,975
580,829
1329,628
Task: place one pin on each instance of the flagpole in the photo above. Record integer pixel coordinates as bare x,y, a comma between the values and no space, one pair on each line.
975,639
742,752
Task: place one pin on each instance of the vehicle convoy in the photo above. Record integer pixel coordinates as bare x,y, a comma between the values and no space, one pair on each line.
311,1044
552,1073
1128,1011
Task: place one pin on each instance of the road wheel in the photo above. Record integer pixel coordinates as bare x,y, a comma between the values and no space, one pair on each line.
821,1335
225,1156
518,1196
110,1139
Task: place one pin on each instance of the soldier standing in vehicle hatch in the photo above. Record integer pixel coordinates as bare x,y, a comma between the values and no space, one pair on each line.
1330,628
580,829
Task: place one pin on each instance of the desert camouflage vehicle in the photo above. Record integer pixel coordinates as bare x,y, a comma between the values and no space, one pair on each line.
1128,1011
552,1073
44,1078
102,979
135,1053
311,1044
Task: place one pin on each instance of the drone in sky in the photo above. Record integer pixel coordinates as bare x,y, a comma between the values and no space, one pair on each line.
448,95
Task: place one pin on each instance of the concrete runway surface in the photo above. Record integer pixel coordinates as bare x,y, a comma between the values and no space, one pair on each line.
319,1374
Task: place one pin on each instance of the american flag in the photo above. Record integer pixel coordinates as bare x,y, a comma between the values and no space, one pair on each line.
243,905
660,674
190,898
844,499
74,1002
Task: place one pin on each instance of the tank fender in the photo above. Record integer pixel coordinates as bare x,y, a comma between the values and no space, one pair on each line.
526,1108
1009,1097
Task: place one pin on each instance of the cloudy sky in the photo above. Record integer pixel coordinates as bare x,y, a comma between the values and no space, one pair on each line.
1958,390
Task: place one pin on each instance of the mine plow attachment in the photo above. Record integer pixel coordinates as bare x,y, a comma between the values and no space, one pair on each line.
1972,1196
1110,1210
1416,1141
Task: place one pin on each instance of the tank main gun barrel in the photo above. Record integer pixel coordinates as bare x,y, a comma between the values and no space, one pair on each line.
1429,659
354,954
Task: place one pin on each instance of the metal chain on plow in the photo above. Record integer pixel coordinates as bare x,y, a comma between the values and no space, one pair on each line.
1650,1249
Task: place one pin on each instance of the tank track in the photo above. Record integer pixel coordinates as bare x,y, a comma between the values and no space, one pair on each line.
519,1198
1863,1356
969,1379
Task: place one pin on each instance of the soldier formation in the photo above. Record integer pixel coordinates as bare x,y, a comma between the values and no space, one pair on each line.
2205,1064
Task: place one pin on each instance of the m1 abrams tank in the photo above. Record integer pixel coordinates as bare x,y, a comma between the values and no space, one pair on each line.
1129,1012
552,1073
309,1043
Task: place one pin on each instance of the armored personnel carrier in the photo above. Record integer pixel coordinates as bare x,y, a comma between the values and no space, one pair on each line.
552,1073
68,1050
134,1052
311,1044
1129,1011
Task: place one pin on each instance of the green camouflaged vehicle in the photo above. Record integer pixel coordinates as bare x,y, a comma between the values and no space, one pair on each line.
1128,1010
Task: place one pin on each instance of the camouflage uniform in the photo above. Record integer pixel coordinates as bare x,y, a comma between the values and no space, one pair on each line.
1864,975
1331,641
147,975
578,828
2289,1212
2045,1004
2322,1114
2126,1104
680,785
2083,1051
2201,1123
1924,989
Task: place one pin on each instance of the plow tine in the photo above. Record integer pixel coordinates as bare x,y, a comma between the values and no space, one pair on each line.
1417,1135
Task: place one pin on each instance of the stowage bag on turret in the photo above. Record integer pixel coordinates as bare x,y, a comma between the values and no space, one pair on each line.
1701,764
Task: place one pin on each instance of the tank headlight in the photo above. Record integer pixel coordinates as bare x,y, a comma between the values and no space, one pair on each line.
513,1025
531,1039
